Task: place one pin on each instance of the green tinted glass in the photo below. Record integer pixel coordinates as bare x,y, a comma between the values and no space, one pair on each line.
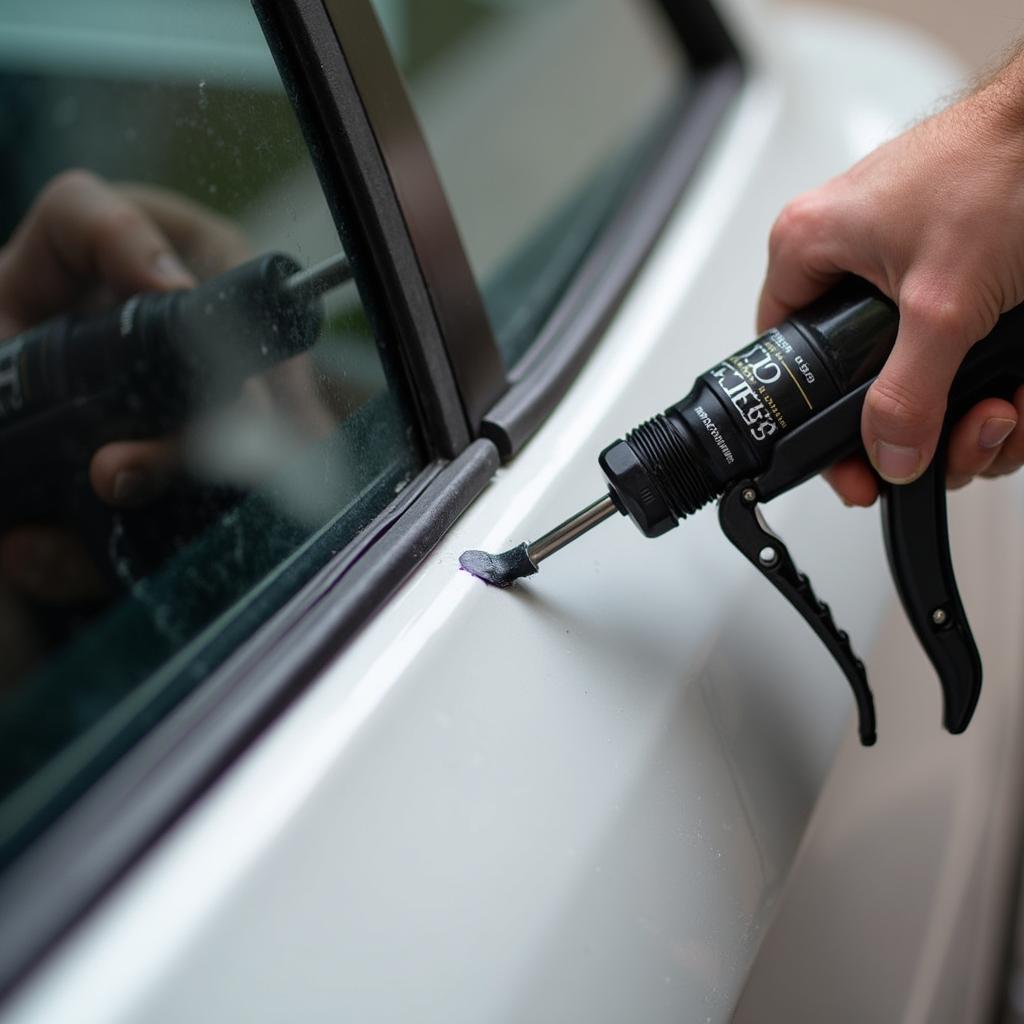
174,466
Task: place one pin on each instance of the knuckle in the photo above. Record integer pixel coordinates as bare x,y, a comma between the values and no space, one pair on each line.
936,312
801,219
896,410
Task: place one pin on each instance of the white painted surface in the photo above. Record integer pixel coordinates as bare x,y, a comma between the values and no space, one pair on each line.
899,903
578,800
898,906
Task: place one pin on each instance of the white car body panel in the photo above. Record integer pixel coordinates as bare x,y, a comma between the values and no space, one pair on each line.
580,799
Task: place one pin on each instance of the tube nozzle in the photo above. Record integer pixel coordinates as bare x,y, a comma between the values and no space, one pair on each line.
502,569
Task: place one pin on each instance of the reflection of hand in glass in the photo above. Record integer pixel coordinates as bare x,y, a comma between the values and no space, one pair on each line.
85,245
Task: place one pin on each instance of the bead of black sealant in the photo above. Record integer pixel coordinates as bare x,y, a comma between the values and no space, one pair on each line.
499,570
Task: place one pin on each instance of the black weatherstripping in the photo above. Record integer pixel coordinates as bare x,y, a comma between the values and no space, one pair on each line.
87,850
705,37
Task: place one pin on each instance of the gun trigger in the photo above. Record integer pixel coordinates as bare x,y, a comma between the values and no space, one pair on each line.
743,524
917,543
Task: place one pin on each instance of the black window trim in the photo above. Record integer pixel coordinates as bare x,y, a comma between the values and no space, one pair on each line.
413,182
324,89
69,869
458,396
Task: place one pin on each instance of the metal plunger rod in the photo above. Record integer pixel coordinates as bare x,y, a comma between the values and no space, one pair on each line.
572,528
321,277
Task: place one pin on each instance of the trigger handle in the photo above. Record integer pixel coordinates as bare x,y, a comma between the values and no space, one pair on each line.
743,524
917,543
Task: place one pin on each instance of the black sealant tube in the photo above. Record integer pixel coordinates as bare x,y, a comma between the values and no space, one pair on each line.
726,427
161,355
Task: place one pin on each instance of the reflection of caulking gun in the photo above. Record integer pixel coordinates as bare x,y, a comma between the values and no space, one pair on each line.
768,418
141,370
74,383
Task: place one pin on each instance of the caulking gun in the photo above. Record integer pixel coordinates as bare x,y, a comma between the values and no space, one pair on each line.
766,419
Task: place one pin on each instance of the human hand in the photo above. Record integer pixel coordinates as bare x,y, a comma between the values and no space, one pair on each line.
84,245
932,219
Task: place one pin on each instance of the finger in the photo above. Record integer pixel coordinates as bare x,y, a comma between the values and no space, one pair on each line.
50,566
130,474
1011,454
800,265
904,408
853,481
975,441
80,233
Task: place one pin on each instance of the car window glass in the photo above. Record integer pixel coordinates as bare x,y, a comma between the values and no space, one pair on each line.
538,114
258,419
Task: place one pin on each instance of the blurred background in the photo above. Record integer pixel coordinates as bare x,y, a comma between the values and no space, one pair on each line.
977,32
980,34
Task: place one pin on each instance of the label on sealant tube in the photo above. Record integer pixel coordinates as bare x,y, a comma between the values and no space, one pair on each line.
774,385
766,389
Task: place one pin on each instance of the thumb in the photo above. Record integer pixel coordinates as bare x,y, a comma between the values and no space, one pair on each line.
904,408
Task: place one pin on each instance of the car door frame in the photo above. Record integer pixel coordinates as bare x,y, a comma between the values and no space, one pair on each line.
380,181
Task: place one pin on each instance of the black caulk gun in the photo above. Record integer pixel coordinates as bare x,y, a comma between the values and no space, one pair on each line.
765,420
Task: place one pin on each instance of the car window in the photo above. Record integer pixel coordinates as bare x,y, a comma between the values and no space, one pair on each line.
261,416
538,114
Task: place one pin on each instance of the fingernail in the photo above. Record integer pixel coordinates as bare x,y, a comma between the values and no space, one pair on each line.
132,487
995,431
172,270
897,463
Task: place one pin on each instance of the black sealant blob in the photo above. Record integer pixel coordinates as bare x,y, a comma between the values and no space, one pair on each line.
498,570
